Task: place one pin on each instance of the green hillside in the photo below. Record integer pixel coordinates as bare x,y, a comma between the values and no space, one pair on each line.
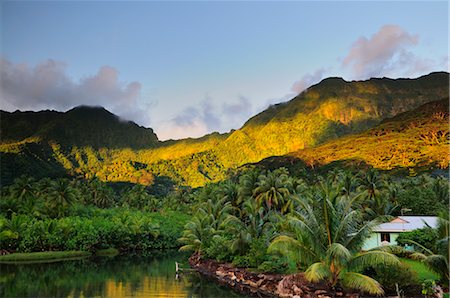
92,142
412,141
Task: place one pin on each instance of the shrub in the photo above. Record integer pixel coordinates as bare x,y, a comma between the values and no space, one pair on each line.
426,237
219,249
389,276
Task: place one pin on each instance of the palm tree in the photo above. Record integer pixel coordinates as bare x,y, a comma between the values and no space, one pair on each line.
215,212
440,189
197,233
101,195
273,191
348,183
61,196
253,224
138,197
247,185
24,190
371,184
230,191
326,236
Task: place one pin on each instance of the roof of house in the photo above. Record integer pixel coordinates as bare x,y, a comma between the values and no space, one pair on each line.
407,223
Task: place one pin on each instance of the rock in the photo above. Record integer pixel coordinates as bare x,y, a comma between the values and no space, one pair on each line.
320,292
296,296
323,296
297,290
220,273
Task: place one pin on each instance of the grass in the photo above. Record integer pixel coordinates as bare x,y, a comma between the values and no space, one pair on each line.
107,252
422,271
43,256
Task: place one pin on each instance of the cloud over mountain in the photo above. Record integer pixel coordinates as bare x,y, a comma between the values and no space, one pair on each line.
48,86
206,117
389,53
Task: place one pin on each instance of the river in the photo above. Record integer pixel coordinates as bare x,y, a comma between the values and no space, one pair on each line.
151,275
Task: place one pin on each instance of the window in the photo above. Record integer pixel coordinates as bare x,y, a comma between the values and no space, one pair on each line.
385,237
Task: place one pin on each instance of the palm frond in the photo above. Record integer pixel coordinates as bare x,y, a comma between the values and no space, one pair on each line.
418,256
339,253
317,272
426,250
288,246
373,258
439,264
358,281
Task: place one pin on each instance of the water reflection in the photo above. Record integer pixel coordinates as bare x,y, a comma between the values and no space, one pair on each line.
137,276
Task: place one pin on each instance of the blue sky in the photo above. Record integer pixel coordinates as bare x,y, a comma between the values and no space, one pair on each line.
189,68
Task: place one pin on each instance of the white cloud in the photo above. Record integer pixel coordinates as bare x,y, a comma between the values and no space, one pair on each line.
47,86
387,53
308,80
206,117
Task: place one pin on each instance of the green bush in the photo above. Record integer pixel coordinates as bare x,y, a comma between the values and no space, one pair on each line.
276,264
219,249
122,228
389,276
426,237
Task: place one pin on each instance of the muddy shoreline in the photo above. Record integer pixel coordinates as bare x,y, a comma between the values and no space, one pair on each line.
263,285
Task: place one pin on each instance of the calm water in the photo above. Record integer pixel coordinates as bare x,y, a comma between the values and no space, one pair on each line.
121,276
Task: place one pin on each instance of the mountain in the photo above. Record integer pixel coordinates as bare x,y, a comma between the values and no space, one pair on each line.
409,142
334,108
80,126
92,142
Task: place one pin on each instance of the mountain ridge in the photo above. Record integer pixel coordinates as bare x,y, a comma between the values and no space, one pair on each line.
326,111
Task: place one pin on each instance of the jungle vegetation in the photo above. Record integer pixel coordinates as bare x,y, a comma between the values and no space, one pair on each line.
274,222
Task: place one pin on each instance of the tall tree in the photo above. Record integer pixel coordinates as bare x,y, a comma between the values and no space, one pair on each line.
61,196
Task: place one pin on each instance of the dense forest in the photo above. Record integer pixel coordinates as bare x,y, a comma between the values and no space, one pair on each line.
259,219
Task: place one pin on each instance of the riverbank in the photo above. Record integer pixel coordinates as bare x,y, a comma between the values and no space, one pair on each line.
263,285
50,256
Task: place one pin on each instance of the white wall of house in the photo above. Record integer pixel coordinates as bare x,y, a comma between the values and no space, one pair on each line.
375,240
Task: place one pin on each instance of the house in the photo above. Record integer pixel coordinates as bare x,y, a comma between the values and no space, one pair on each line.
387,233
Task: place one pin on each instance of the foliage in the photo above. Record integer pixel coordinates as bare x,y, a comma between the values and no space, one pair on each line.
47,255
402,276
50,215
426,237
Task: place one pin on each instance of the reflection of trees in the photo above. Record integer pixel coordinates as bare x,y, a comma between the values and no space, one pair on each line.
145,275
197,286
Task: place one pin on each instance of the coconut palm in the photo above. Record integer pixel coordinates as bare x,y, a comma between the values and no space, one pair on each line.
253,224
348,183
101,196
216,212
60,196
273,191
197,233
24,190
326,237
371,184
247,184
230,191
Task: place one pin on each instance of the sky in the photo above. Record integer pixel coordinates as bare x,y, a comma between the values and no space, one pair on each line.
190,68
